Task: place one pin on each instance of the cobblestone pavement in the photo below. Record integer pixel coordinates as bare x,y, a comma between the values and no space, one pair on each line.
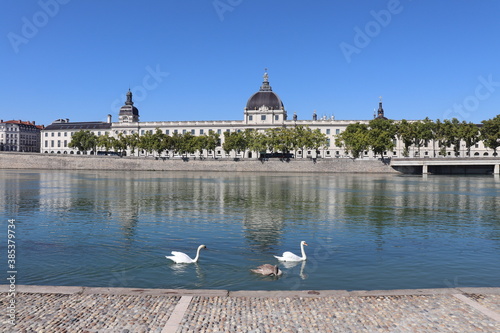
120,310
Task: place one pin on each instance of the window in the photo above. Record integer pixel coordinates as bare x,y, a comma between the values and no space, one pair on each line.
327,131
142,132
59,143
337,131
52,143
167,132
219,131
183,131
46,134
65,133
201,132
276,117
250,117
52,134
192,132
175,131
263,117
58,133
65,143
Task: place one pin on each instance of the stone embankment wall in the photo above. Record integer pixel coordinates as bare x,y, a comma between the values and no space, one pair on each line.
88,162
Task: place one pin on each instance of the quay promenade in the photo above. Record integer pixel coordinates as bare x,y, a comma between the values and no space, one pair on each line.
123,310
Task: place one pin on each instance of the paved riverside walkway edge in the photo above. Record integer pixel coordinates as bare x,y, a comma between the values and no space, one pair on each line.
206,310
247,293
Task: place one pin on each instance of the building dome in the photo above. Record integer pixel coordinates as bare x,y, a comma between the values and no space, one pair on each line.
265,97
129,112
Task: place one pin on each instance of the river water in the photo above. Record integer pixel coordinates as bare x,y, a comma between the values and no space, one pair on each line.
369,231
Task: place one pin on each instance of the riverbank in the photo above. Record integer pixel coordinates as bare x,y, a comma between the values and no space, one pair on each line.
82,309
9,160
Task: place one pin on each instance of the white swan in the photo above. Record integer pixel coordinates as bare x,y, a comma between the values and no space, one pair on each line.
268,270
289,256
182,258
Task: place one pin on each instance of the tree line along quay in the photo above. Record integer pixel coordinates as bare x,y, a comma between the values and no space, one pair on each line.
379,135
265,130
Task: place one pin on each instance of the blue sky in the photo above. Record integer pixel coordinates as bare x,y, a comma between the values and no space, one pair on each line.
203,59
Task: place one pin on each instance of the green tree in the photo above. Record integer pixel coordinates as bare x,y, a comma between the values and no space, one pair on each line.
187,144
175,143
256,141
200,144
146,142
318,140
234,141
469,133
451,135
405,133
439,136
213,141
132,141
424,132
381,135
83,141
119,144
105,141
354,138
280,139
159,141
490,133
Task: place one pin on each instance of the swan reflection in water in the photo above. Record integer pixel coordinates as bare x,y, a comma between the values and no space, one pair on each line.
290,265
183,269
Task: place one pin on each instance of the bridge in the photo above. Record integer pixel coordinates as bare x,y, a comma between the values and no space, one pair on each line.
447,165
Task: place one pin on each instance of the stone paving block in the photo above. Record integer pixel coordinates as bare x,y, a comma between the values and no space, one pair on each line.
89,313
130,310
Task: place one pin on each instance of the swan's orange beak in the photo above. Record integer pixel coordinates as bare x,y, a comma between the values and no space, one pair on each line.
305,244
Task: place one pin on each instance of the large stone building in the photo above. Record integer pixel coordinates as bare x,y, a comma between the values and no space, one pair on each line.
264,110
21,136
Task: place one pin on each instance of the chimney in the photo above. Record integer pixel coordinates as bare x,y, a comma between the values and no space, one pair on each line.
67,120
109,118
33,122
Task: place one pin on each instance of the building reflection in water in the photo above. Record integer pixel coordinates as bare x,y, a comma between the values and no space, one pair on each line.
265,205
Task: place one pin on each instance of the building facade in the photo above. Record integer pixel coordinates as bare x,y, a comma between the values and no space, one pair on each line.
264,110
21,136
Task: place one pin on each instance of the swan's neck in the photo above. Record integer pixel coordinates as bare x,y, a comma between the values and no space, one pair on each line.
197,255
303,252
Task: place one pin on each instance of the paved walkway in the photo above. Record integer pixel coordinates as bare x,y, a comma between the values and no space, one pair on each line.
120,310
